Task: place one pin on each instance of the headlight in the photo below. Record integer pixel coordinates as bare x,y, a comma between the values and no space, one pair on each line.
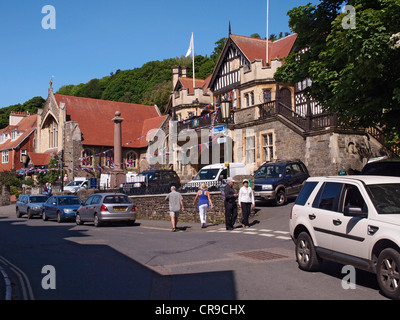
267,187
36,208
68,211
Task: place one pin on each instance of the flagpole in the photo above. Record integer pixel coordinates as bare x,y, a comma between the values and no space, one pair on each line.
193,61
267,56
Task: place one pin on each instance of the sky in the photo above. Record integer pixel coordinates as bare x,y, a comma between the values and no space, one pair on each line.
91,39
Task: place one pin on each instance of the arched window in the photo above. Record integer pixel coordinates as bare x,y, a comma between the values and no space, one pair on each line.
87,158
132,159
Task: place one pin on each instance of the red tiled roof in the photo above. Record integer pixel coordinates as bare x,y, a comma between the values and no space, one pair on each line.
187,83
254,48
95,120
27,125
39,159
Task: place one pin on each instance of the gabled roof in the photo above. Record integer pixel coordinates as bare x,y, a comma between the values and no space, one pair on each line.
254,48
26,126
39,159
95,120
187,83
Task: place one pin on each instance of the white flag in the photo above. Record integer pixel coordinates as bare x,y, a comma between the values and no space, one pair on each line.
191,47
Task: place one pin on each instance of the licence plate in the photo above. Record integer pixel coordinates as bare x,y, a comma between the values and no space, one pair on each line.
120,208
257,194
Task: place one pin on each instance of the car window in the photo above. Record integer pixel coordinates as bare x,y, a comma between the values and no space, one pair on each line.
305,192
95,200
38,199
116,198
89,201
328,196
303,168
354,198
295,169
269,171
385,198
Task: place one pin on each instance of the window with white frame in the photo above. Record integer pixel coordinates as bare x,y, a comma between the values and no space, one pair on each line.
14,134
268,146
250,150
4,157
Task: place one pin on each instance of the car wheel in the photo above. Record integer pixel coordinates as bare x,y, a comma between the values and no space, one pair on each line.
78,220
18,213
59,218
97,221
306,255
44,216
28,213
280,198
388,273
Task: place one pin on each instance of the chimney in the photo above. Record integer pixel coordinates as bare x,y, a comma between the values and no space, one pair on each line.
184,72
16,117
175,75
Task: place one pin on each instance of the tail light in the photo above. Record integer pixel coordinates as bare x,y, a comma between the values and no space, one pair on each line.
133,208
103,208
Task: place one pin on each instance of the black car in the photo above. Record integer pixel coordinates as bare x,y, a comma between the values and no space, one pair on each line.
387,167
152,182
275,181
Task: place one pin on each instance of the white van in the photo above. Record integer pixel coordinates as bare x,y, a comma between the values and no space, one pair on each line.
78,184
214,175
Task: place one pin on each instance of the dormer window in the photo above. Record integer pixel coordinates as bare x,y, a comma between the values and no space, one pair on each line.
2,138
14,135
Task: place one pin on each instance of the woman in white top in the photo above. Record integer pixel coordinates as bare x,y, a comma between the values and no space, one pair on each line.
246,202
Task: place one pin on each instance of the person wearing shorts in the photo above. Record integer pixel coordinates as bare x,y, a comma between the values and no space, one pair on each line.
175,206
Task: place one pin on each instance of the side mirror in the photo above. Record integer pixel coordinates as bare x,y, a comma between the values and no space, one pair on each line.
351,211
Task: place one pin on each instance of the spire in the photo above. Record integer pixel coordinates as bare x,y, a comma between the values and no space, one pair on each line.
230,29
51,86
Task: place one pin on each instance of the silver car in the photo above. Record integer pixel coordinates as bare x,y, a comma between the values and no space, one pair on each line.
106,207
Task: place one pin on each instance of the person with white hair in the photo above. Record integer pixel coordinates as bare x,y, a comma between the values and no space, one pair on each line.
175,205
230,205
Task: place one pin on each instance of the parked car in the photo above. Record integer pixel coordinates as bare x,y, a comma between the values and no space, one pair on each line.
106,207
152,181
214,175
61,208
353,220
275,181
387,167
31,205
75,186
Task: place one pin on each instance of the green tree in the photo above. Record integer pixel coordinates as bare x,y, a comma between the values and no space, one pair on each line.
355,71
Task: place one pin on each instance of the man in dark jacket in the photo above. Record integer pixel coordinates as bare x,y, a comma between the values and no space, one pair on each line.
230,205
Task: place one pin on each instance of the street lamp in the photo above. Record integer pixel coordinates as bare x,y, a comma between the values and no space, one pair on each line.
226,114
226,110
24,158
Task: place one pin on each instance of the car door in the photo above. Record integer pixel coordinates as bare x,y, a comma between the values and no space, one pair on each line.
288,180
84,210
51,207
23,204
323,213
349,233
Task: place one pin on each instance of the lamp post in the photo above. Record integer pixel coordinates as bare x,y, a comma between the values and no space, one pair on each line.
226,114
24,162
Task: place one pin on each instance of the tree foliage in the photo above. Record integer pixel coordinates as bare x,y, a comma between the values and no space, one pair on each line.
355,71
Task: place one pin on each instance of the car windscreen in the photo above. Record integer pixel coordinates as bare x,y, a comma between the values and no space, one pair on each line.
269,171
206,174
74,184
37,199
116,198
66,201
147,176
385,197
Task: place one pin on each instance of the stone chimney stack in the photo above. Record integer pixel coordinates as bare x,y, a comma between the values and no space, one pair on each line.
176,72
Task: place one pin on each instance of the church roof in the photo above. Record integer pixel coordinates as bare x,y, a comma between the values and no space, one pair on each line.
95,120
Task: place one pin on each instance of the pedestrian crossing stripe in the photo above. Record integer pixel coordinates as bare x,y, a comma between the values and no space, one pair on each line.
278,234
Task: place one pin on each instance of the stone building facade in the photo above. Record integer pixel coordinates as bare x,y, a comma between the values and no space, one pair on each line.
268,120
79,133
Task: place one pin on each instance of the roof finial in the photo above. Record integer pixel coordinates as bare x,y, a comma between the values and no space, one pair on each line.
230,29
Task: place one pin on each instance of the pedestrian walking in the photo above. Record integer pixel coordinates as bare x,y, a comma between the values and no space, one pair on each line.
204,203
246,202
175,205
230,205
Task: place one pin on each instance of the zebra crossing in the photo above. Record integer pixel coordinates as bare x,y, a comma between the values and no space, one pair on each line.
268,233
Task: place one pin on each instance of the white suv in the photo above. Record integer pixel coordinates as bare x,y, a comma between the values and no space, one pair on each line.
353,220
